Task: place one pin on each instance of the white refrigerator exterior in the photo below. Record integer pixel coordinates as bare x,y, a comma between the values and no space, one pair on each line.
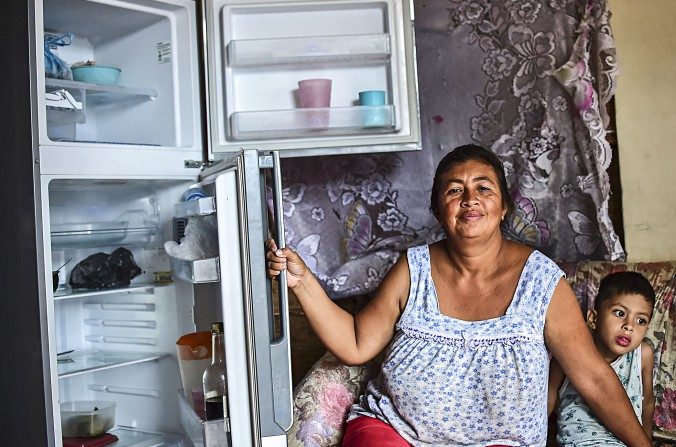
212,84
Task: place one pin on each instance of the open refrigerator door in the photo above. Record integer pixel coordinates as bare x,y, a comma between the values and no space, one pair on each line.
263,54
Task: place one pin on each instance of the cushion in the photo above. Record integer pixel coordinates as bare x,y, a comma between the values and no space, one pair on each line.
322,400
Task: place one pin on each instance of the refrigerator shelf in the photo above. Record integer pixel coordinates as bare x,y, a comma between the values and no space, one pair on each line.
312,49
199,271
84,362
102,235
199,207
68,293
310,123
100,94
131,438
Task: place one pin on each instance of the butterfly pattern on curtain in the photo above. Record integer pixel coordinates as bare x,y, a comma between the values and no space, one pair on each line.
528,79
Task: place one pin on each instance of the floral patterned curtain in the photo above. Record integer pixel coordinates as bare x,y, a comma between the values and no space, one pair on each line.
528,79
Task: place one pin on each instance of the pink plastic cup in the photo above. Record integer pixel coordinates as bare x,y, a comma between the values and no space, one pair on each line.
314,93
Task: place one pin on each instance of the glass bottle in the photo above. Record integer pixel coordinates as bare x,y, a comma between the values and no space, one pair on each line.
213,379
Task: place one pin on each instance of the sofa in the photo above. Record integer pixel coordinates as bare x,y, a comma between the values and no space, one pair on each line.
324,395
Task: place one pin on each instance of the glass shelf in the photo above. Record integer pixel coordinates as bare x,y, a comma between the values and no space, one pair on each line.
199,207
82,362
136,438
96,93
302,50
199,271
68,293
102,234
312,122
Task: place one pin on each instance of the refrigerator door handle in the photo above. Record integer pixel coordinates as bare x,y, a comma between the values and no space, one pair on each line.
280,348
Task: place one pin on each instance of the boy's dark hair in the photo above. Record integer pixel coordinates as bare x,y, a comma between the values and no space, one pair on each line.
622,283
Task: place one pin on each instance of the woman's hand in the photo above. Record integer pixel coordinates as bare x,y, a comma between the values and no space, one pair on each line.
284,259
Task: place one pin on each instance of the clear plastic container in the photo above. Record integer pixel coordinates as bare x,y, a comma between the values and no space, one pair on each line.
86,418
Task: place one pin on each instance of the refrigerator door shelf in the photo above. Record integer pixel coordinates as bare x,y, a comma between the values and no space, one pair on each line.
201,433
83,362
201,207
306,50
199,271
308,123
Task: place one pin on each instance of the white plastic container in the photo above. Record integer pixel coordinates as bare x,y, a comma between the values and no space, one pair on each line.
86,418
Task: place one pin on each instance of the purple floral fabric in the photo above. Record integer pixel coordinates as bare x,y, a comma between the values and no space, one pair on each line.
528,79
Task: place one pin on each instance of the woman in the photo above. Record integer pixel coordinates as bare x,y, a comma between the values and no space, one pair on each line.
466,320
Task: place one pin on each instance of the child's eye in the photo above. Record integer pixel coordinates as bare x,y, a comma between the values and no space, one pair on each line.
618,313
642,321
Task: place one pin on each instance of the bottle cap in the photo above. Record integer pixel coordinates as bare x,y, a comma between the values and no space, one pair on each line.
217,327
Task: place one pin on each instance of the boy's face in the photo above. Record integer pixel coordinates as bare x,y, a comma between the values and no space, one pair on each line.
619,324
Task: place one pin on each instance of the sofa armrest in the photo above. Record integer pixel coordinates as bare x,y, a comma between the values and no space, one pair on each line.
322,400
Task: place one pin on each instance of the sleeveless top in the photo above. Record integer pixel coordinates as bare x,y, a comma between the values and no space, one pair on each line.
577,425
450,382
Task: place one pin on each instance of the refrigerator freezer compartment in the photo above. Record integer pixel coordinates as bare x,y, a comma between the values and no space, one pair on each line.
292,123
155,102
101,234
305,50
201,433
199,271
136,438
84,362
199,207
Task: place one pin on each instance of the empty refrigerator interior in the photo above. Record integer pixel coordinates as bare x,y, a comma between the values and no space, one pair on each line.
154,100
118,344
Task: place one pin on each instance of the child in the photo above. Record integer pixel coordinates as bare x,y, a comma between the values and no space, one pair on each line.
623,309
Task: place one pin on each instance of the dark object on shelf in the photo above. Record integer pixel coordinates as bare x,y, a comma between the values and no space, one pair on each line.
104,271
55,276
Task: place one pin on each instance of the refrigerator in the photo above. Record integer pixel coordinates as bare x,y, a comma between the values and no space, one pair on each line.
206,97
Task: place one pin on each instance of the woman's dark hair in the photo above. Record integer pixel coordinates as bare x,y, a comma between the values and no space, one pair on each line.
621,283
465,153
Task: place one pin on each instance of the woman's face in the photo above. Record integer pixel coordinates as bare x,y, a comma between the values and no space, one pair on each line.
470,204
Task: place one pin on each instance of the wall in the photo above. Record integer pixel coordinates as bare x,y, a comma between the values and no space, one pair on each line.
645,33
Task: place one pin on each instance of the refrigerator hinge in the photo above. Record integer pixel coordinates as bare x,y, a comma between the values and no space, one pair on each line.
197,163
265,161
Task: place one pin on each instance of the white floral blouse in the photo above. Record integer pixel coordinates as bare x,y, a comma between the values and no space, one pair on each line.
448,382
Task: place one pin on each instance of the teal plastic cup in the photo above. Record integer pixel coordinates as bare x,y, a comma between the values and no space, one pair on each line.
373,115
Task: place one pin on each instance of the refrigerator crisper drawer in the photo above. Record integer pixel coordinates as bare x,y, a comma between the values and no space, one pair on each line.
199,271
153,102
201,433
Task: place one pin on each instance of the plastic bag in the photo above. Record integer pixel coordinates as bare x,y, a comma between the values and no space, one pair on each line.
55,67
104,271
200,241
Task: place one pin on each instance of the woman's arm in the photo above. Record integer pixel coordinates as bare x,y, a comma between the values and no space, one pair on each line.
354,340
556,377
647,364
571,344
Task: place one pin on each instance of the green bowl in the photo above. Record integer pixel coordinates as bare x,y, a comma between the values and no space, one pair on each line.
96,74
